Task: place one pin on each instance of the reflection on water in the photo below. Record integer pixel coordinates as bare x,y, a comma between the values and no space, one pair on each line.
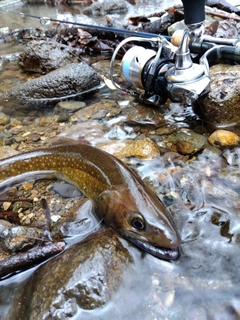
203,196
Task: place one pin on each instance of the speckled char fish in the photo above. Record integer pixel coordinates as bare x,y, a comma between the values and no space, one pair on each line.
120,197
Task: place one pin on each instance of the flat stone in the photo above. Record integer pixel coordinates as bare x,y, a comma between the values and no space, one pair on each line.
104,108
70,106
142,149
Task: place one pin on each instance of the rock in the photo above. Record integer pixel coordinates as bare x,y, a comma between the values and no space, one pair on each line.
85,276
142,149
158,26
106,7
70,106
19,238
4,119
45,56
63,117
64,83
188,142
165,130
66,190
104,108
28,186
220,106
224,138
6,151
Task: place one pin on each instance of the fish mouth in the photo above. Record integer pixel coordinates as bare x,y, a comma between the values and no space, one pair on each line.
159,252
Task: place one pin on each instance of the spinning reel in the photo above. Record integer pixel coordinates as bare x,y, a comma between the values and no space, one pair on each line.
167,71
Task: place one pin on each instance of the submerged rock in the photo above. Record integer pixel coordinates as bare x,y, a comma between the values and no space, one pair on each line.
45,56
17,238
70,106
4,119
220,107
84,277
66,82
188,142
105,108
142,149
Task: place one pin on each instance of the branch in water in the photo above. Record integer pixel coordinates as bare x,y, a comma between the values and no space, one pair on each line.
29,258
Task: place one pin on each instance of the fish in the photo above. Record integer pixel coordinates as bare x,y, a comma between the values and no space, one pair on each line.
119,195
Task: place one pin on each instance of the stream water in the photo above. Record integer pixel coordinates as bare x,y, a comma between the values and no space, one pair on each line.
202,193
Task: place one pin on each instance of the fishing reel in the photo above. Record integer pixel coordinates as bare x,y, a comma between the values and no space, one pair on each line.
161,72
167,71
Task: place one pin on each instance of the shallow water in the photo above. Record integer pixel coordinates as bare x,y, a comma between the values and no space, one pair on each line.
202,195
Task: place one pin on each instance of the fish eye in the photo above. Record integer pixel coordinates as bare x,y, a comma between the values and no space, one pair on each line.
137,221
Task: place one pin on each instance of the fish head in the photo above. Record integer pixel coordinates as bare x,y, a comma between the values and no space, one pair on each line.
141,218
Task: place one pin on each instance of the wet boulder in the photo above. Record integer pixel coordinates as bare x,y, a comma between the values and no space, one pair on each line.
106,7
220,106
44,56
69,81
224,138
84,277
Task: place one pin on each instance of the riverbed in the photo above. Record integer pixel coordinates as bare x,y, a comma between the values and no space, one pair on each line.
200,189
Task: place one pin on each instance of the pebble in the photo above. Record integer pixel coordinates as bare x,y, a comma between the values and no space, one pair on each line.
27,186
15,123
63,117
224,138
6,205
44,121
165,130
55,217
4,119
16,130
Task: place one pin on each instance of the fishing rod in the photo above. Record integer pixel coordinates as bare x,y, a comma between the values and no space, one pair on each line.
122,32
199,46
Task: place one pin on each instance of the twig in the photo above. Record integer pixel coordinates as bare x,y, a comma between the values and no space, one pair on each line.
29,258
222,15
